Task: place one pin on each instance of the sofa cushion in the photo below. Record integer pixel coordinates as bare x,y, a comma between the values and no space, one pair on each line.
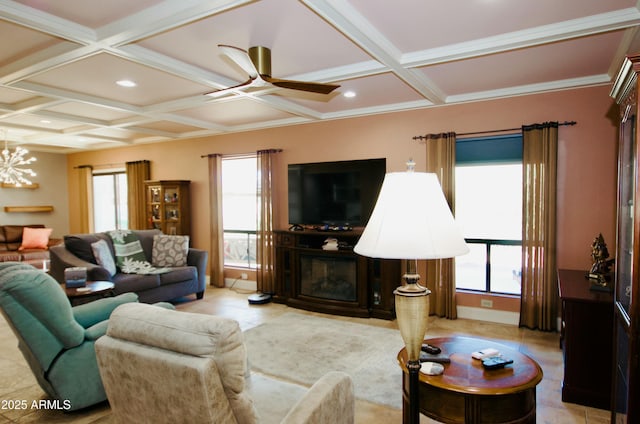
134,282
178,275
104,257
146,240
10,256
13,235
34,255
35,238
170,250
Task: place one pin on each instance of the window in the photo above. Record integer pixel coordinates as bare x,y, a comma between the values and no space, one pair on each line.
489,212
239,211
110,208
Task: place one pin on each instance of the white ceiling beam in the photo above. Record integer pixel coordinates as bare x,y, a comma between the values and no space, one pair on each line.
98,101
531,37
354,26
340,73
566,84
163,17
628,38
45,22
173,66
52,57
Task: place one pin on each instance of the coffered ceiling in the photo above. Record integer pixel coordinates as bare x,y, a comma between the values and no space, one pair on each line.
60,61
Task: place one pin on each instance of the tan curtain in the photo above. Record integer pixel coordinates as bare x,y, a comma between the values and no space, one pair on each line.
216,259
539,299
265,244
440,278
85,188
137,173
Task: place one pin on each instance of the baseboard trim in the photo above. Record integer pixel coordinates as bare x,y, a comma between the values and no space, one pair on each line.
491,315
237,283
466,312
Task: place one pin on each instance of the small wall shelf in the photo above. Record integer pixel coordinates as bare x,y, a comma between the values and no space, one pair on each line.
28,209
29,186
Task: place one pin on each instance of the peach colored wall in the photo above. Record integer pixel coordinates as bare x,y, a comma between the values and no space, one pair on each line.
586,157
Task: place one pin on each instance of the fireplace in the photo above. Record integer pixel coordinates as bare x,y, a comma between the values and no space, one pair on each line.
328,277
333,281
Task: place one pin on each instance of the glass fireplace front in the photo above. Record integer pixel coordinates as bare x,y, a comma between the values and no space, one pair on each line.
328,277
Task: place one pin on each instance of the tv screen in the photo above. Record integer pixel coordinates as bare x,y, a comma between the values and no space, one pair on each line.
334,193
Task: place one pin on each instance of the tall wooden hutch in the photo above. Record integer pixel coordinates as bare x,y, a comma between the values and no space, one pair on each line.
169,206
626,371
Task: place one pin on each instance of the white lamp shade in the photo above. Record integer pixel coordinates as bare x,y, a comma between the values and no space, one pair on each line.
411,220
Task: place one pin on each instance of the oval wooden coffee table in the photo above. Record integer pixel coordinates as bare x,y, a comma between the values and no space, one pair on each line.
92,290
467,393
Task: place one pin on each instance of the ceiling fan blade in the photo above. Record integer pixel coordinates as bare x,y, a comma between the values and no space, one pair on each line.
313,87
224,91
241,58
257,63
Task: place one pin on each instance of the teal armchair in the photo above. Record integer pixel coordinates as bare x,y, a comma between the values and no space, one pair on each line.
57,340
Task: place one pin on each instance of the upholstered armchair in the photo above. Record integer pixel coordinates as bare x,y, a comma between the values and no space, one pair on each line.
163,366
56,340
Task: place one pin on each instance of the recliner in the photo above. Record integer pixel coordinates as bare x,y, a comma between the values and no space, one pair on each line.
56,340
163,366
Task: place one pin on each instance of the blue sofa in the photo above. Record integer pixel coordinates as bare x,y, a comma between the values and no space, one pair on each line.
178,282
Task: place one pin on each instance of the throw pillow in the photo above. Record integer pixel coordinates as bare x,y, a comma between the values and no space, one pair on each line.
103,256
170,250
80,246
35,238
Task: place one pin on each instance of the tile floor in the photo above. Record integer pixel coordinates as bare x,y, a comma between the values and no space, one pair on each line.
17,382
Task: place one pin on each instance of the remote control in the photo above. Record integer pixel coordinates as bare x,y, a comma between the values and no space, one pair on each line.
485,353
495,362
434,350
428,357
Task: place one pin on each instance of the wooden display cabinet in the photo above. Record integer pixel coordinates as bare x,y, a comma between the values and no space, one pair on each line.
626,327
168,206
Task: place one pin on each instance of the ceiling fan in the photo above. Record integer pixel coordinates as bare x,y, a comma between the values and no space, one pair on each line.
257,63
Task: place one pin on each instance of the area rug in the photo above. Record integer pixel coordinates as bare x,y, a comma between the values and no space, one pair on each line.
302,348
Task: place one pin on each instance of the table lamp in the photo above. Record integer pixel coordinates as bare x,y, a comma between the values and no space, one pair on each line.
411,220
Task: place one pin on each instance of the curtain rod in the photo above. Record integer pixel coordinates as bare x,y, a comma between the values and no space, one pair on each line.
106,165
241,155
424,137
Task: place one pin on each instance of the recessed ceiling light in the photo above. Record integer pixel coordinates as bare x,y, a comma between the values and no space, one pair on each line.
45,121
126,83
349,94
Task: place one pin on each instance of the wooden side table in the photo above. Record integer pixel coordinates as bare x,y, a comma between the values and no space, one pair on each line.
94,290
587,323
467,393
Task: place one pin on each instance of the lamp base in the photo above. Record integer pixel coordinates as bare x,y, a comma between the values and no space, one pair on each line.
414,386
411,287
412,309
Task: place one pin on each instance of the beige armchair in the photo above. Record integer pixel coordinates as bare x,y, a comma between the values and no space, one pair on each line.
161,366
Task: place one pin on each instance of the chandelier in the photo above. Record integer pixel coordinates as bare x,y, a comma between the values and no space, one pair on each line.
11,166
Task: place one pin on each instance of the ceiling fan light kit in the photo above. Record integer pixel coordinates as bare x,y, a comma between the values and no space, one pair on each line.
257,64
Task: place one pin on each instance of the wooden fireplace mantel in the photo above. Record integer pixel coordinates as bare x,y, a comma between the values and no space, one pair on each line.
371,281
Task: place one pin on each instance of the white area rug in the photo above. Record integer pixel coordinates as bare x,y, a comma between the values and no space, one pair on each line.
302,348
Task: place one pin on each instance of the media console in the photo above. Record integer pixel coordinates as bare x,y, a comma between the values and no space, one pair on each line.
337,282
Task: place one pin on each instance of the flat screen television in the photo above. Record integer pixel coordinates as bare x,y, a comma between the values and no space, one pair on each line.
340,194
